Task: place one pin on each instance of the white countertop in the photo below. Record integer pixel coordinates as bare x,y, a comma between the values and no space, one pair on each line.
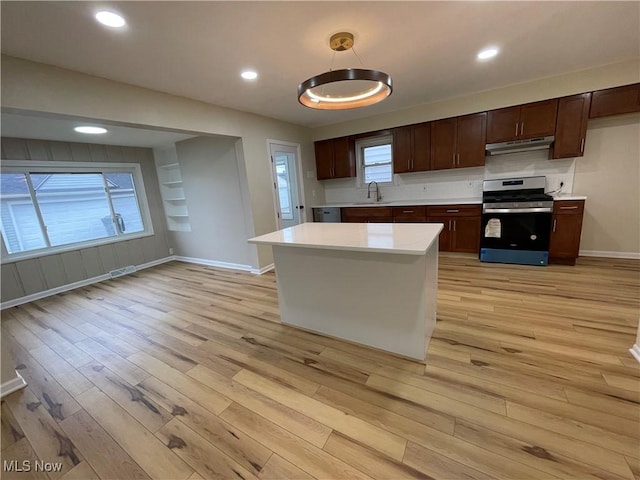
397,238
406,203
569,196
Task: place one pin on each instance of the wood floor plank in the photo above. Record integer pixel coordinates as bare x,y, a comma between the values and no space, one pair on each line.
121,366
550,441
197,391
129,397
106,457
312,431
278,468
201,455
439,466
364,432
312,460
47,439
155,458
606,403
9,428
82,471
228,439
20,452
532,455
368,460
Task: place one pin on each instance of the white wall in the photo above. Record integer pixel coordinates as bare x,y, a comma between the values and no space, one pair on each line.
37,87
212,187
458,184
609,174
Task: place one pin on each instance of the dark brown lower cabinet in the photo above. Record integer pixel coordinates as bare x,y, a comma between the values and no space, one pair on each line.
367,215
566,229
461,231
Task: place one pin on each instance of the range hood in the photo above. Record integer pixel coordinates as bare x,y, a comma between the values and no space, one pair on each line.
540,143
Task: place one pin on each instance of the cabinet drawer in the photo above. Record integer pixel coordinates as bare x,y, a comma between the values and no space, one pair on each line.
366,212
568,207
409,213
454,211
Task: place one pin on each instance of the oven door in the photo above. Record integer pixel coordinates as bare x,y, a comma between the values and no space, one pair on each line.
516,236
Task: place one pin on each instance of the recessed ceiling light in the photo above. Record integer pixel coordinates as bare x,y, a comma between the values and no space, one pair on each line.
90,130
488,53
110,19
249,75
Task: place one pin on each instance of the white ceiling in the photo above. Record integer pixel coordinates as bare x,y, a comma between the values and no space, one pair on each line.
197,49
61,129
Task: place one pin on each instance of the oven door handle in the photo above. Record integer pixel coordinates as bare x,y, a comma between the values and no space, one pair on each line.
518,210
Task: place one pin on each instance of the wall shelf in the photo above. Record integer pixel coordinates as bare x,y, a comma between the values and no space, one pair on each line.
173,197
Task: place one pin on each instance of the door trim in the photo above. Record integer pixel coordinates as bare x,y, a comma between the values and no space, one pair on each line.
299,178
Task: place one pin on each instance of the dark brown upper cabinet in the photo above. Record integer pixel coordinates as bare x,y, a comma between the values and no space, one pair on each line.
521,122
571,126
458,142
615,101
412,148
335,158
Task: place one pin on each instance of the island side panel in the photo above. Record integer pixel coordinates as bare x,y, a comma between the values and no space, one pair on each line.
430,293
375,299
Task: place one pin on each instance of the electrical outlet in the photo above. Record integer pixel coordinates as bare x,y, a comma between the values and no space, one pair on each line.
424,188
171,251
313,193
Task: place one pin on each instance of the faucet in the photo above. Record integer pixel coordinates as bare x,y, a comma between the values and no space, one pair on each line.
378,196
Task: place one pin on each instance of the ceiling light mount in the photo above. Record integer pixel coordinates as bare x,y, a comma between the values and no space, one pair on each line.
339,42
347,88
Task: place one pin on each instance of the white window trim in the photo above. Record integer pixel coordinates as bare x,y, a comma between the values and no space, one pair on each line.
372,142
25,166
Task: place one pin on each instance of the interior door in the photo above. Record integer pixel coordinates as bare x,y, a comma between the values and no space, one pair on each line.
284,164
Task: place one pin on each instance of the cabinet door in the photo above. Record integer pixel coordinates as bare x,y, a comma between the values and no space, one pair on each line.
503,125
324,159
344,164
421,147
565,236
471,138
571,127
615,101
538,119
443,144
444,240
465,234
402,149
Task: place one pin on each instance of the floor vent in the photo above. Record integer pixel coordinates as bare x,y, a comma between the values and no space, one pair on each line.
122,271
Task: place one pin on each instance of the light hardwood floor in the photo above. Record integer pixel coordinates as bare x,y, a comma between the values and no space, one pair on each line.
183,372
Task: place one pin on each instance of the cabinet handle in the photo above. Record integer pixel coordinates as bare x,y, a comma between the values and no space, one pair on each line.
521,128
453,211
454,225
458,159
516,129
582,145
449,225
454,159
407,211
569,208
554,225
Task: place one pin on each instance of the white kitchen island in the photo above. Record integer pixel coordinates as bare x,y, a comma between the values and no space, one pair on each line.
369,283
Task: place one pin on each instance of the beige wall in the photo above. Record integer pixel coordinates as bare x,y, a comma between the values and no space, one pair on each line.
37,87
609,175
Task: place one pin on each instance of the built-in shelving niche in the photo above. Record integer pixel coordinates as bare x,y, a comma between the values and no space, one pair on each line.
173,197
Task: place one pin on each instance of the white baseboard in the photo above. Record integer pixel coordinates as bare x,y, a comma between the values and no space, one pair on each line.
12,385
635,351
260,271
604,254
70,286
213,263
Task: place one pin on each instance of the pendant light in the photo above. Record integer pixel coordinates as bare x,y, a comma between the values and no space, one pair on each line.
346,88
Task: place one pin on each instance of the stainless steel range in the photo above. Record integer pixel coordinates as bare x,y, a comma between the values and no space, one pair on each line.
516,221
